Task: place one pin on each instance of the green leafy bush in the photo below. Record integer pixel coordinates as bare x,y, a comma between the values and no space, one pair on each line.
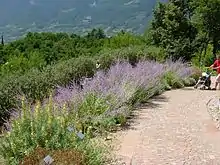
196,73
173,80
189,81
132,53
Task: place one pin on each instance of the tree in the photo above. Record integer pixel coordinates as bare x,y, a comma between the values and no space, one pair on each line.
2,40
158,25
173,30
96,34
208,20
1,54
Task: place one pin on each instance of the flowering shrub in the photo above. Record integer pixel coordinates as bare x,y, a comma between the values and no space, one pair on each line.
49,128
106,100
37,85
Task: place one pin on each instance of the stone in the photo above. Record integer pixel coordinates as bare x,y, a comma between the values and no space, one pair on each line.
48,160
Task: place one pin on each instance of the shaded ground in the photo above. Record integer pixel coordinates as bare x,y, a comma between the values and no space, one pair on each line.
174,129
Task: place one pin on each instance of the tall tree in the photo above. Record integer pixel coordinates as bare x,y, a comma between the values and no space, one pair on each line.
2,40
208,19
173,30
158,25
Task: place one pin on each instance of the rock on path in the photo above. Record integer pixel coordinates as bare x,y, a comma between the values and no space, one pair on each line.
174,129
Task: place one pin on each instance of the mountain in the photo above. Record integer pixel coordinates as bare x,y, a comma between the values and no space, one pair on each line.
18,17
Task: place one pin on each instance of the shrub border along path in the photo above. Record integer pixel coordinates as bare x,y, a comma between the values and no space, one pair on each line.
172,83
36,84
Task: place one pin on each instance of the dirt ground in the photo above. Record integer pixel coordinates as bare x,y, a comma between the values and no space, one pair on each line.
173,129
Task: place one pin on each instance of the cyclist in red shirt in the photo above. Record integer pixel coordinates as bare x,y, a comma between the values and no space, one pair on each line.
216,66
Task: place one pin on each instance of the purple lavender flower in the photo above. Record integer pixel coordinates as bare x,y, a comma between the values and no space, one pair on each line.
120,83
116,87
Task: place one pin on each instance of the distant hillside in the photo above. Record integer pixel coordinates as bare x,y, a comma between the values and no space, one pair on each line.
20,16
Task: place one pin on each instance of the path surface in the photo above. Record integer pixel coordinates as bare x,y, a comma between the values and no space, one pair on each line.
175,129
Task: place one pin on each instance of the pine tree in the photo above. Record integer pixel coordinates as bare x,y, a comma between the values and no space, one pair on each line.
2,40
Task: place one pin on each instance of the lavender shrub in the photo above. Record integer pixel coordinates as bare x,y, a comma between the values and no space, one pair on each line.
179,68
117,88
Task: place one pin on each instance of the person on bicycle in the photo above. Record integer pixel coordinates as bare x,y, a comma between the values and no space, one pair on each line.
216,65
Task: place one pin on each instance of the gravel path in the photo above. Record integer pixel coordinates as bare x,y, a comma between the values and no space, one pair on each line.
174,129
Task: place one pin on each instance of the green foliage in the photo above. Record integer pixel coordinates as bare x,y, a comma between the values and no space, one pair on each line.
96,34
37,50
189,82
52,47
123,39
36,84
142,95
187,29
46,127
21,64
89,116
173,80
205,58
172,29
132,53
207,20
92,106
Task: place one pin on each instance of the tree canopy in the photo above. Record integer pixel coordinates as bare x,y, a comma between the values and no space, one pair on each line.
185,27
